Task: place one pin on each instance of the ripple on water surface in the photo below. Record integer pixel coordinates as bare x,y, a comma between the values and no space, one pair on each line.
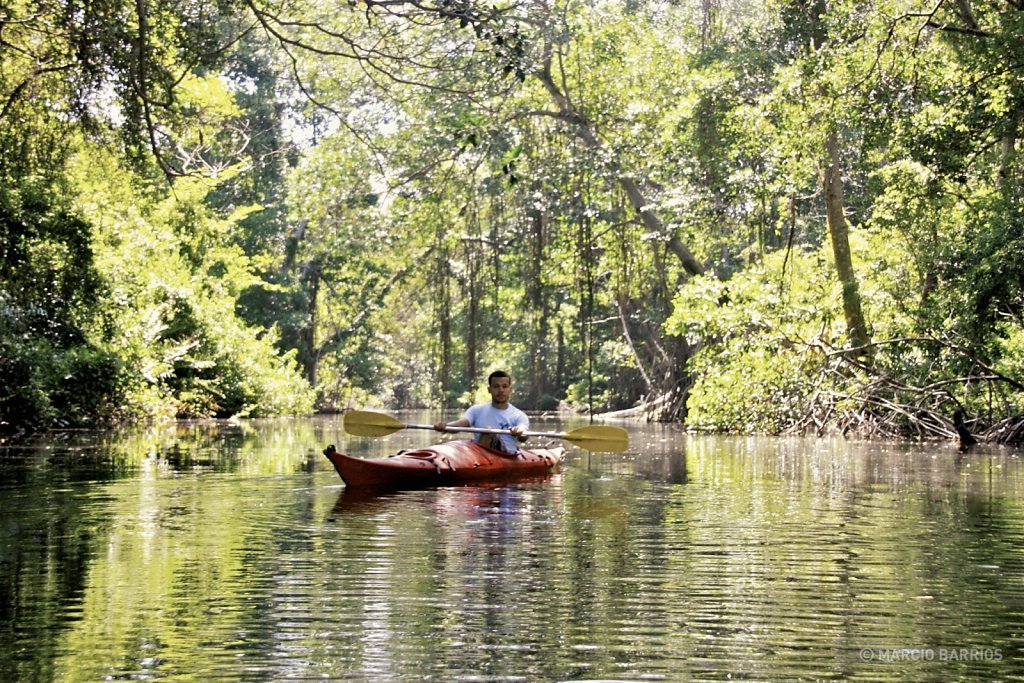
706,559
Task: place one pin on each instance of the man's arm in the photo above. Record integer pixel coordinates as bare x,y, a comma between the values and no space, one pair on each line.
522,424
517,432
461,422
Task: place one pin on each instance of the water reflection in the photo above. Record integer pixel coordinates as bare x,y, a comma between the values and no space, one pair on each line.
213,550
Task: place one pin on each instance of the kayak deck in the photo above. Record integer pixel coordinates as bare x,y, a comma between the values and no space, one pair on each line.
446,463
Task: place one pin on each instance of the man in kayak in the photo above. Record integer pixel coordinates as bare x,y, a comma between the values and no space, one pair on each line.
498,414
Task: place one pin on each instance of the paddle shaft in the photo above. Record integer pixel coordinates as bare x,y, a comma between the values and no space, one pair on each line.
485,430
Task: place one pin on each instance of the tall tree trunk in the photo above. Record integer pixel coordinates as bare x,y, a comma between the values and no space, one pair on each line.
1007,155
710,11
538,309
560,361
443,307
474,314
311,352
838,230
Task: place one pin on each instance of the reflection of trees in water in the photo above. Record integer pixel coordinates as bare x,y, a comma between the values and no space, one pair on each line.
769,557
50,533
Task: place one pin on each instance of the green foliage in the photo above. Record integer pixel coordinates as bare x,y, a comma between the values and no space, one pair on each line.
1009,340
993,264
762,335
344,266
51,374
175,276
43,384
597,391
47,267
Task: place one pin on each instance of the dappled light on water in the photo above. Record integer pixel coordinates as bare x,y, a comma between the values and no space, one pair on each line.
233,551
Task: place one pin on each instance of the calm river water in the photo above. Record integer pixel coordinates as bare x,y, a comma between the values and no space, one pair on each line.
234,552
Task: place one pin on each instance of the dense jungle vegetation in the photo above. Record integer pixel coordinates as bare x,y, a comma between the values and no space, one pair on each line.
748,215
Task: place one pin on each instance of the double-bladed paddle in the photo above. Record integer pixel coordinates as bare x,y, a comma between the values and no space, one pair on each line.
594,438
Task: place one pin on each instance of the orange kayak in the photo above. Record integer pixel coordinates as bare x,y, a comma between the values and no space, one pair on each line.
451,462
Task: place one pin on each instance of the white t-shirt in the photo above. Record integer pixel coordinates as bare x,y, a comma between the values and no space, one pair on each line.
486,415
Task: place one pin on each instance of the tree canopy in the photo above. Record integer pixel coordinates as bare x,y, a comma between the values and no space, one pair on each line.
744,215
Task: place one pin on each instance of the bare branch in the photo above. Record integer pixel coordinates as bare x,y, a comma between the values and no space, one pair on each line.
20,88
995,375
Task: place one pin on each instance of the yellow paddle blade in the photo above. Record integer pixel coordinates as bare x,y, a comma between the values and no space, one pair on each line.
369,423
603,438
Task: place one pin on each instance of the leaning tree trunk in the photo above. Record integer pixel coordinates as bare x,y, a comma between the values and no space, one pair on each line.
567,111
839,233
638,200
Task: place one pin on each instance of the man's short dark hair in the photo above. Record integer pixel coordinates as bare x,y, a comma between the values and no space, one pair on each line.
496,374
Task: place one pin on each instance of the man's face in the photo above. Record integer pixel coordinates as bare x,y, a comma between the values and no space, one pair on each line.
500,389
